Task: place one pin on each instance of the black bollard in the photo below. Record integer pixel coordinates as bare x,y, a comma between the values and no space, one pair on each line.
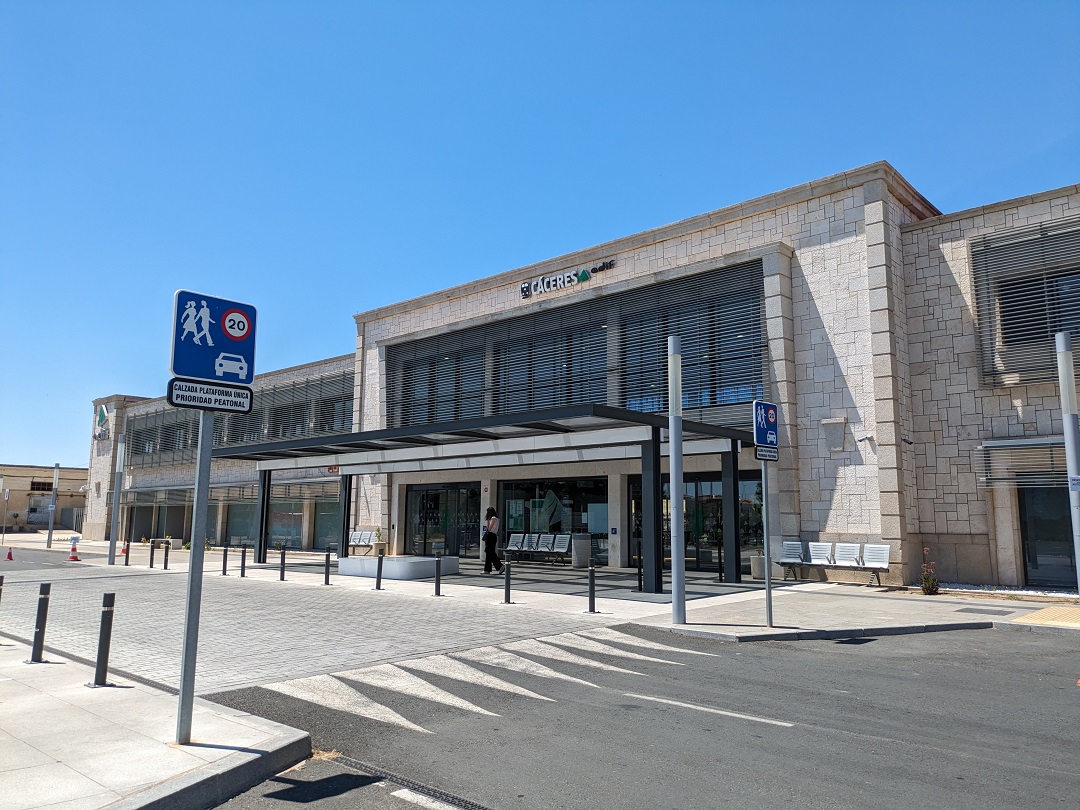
438,574
326,568
281,574
127,551
1,586
506,582
101,672
378,572
225,560
152,545
39,626
592,585
165,565
243,561
640,575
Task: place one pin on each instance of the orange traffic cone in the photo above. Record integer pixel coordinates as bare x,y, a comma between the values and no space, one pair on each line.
124,549
9,557
74,555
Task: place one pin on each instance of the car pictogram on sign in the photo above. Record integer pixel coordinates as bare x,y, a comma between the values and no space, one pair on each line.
231,363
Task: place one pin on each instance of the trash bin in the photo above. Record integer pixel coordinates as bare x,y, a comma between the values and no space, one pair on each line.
757,566
581,550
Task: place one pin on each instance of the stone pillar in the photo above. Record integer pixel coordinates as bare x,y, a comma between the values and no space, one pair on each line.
307,525
885,287
780,332
618,520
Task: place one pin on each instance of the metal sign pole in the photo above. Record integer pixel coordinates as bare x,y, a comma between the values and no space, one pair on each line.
52,504
195,576
678,547
118,485
765,531
1067,385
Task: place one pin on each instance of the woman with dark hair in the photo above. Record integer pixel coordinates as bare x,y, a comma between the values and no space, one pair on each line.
491,537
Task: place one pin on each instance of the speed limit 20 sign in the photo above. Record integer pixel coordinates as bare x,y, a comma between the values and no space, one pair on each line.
213,339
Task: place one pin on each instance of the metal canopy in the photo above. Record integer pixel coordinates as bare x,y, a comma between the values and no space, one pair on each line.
526,424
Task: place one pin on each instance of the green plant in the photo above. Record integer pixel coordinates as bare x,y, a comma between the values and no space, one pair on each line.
143,540
186,545
207,543
928,581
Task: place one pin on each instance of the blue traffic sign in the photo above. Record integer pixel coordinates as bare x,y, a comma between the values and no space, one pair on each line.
766,424
213,339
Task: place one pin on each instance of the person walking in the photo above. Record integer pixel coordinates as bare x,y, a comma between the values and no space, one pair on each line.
491,538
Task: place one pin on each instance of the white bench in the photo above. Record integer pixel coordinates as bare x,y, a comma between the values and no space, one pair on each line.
554,547
872,557
363,540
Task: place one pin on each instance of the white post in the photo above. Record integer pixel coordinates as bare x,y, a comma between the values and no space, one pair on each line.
118,485
765,531
678,545
1071,428
52,503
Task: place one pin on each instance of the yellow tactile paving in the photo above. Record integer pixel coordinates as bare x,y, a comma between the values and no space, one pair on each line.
1055,616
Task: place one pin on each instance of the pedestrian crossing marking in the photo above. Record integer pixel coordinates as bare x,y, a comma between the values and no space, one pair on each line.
607,634
388,676
589,645
495,657
459,671
328,691
543,650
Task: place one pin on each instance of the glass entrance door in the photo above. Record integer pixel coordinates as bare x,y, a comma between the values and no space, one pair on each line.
443,519
1046,535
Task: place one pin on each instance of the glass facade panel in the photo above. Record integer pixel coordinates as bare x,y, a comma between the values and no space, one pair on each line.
443,519
286,523
574,505
327,524
1046,536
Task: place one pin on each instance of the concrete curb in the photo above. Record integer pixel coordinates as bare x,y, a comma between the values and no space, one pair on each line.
819,635
1040,629
217,782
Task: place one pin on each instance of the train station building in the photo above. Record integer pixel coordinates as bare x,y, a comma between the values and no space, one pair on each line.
911,354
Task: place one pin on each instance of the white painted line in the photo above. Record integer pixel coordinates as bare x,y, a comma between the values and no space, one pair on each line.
532,647
495,657
736,715
607,634
329,692
422,800
388,676
590,645
449,668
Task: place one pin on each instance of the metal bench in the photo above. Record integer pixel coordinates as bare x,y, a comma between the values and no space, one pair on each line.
872,557
791,558
543,547
363,540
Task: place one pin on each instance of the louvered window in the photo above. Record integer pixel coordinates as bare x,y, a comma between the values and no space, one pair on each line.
1027,285
607,350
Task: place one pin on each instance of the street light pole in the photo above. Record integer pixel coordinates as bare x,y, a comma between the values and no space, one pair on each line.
52,503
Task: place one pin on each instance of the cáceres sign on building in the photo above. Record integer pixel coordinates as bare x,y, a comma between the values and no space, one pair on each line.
560,281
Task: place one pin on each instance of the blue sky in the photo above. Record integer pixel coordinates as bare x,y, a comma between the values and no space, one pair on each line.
320,159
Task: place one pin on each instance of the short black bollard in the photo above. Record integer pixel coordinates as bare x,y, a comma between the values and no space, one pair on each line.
281,574
127,552
243,561
438,574
152,545
640,575
101,672
592,585
165,565
39,626
1,586
225,560
326,568
506,582
378,572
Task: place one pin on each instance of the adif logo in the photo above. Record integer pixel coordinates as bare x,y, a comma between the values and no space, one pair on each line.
560,281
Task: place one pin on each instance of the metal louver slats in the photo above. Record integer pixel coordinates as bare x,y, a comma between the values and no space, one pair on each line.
1027,286
1022,463
610,350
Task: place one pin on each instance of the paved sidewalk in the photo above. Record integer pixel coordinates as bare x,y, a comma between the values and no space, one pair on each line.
65,744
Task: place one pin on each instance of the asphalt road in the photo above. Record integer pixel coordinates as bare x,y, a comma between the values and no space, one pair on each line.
963,719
